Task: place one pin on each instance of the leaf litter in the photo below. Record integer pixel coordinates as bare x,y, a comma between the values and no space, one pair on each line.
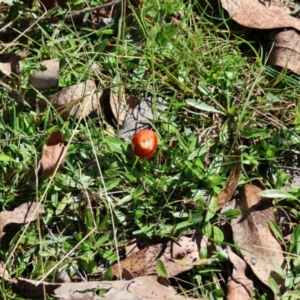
231,184
54,155
143,262
9,63
141,116
261,14
239,286
275,14
258,246
145,287
48,77
77,101
26,212
285,51
254,218
139,286
122,104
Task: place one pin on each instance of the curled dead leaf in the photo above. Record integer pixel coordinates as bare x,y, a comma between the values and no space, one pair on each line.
258,246
285,52
261,14
141,288
26,212
78,100
231,184
239,286
9,63
122,105
54,155
141,115
143,262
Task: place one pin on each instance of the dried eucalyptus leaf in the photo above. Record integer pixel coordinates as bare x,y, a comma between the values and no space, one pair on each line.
258,246
77,100
53,154
261,14
239,286
286,50
24,213
143,262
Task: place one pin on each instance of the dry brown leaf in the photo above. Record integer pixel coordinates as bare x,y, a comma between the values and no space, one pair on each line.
231,184
53,153
122,104
142,115
239,286
48,78
141,288
132,248
252,234
77,100
286,50
9,63
143,262
22,214
261,14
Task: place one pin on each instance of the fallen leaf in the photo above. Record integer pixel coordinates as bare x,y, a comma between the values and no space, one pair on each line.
9,63
26,212
285,51
122,105
47,78
132,247
258,246
53,154
78,100
141,288
141,116
31,288
239,286
261,14
143,262
231,184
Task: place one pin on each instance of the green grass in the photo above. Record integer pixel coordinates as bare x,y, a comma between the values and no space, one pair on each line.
198,58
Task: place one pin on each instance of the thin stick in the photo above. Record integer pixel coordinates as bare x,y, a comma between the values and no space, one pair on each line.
79,13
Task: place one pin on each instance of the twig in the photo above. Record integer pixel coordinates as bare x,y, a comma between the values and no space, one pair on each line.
79,13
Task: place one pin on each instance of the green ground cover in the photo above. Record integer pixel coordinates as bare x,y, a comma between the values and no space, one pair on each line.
179,51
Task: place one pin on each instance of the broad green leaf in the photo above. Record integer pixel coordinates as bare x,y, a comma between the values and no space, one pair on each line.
274,286
218,235
295,241
62,204
202,106
104,238
4,157
161,269
276,230
108,274
115,144
276,194
231,213
211,210
257,132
